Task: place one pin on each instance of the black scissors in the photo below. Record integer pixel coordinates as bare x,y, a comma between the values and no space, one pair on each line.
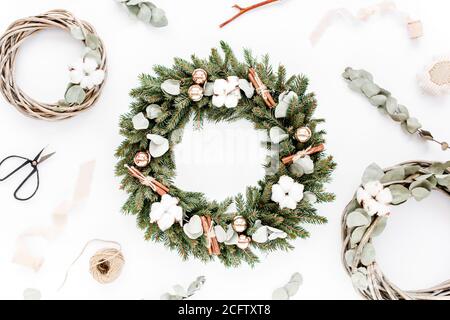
34,165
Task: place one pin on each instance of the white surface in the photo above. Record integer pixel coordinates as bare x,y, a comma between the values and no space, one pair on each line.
414,249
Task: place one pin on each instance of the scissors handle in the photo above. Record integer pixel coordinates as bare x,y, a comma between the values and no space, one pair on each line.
16,193
27,161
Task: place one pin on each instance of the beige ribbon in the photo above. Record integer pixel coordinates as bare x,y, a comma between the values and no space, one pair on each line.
414,27
23,255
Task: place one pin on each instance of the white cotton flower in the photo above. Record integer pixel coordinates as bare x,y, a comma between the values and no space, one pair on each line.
166,212
226,92
374,198
86,73
287,193
373,188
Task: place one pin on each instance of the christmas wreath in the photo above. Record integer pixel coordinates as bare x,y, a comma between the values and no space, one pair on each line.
366,217
221,88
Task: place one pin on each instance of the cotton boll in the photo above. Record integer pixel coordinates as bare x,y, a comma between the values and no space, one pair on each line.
90,65
231,101
371,206
286,183
296,192
277,193
156,211
373,188
97,77
166,221
219,101
76,76
288,203
362,195
385,196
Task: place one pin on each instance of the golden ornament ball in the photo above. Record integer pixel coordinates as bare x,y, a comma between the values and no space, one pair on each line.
199,76
195,93
243,242
142,159
239,224
303,134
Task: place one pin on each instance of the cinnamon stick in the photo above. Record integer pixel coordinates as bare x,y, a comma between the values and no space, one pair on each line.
213,244
312,150
261,88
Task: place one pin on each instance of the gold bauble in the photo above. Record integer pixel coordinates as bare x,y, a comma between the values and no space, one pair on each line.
239,224
199,76
303,134
195,93
142,159
243,242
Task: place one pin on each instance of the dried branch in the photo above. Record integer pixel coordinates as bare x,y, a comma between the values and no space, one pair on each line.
245,10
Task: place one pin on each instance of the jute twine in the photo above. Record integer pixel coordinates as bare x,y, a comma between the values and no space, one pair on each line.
105,265
380,287
10,43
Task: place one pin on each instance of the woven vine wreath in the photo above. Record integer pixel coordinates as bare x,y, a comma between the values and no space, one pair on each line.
221,88
86,74
366,217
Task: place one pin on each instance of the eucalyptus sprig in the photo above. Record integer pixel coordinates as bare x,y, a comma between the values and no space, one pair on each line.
362,81
180,293
147,12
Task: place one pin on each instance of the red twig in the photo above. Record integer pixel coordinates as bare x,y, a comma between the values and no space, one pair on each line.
246,9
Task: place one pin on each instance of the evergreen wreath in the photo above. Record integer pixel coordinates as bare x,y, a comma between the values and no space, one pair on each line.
217,89
366,217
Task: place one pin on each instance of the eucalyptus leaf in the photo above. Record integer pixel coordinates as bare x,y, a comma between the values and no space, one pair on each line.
280,294
413,125
350,257
370,89
378,100
420,193
180,291
360,281
63,104
77,33
437,168
357,235
421,184
95,55
75,95
444,180
92,41
410,170
397,174
32,294
380,226
358,218
368,254
372,173
399,193
159,18
145,13
196,285
171,87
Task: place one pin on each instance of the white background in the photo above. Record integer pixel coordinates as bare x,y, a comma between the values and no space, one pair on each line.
413,251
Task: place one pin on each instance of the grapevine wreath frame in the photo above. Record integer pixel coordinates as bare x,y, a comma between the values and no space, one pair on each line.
77,99
170,99
365,218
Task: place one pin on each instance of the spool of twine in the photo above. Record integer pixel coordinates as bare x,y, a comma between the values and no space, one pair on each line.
105,265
